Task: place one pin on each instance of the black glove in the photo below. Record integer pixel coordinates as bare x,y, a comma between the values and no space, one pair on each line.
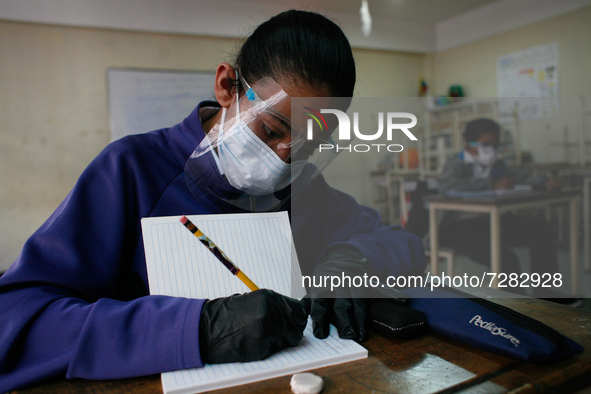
249,327
347,304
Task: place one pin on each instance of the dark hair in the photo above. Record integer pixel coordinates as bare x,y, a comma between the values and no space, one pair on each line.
476,127
302,45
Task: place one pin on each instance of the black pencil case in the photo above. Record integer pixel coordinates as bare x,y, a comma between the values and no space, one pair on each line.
391,319
489,326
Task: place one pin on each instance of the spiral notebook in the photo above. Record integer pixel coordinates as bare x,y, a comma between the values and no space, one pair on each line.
261,245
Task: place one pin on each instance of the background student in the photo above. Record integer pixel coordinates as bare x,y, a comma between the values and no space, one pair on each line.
477,168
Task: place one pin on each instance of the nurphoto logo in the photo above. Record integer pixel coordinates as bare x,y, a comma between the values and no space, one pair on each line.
344,130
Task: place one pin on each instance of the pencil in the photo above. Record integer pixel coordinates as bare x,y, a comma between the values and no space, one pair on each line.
221,256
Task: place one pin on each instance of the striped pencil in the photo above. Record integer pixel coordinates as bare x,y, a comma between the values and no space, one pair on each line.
221,256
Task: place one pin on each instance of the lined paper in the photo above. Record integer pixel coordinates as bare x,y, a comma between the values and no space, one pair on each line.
261,245
309,354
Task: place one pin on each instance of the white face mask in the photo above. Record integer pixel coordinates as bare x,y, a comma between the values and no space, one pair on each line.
251,165
486,156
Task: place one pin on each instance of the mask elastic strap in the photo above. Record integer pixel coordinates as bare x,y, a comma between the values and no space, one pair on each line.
237,99
220,133
223,120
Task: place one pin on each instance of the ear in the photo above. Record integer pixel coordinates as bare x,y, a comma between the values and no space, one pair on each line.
224,88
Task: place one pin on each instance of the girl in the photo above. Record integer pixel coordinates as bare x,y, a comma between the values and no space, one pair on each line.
76,302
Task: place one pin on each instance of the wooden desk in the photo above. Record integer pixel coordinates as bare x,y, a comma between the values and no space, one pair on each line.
431,363
497,205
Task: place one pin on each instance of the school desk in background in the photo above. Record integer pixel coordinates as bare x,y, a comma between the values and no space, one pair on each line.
495,205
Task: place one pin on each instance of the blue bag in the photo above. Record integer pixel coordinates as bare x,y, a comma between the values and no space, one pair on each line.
489,326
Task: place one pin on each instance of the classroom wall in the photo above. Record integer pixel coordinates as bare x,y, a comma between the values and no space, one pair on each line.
379,74
53,101
53,105
53,108
474,66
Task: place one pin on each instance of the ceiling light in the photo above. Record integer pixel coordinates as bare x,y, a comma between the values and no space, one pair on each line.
365,18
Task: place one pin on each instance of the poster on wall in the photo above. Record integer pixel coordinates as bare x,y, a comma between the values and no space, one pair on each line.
528,80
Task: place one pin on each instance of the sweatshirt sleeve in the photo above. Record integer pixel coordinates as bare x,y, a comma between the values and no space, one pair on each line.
525,178
326,218
390,250
66,304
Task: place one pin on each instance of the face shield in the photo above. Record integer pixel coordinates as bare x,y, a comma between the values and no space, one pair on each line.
257,151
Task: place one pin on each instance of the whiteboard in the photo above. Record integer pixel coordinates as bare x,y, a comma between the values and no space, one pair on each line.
146,100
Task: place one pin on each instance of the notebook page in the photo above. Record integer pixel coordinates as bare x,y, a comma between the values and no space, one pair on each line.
179,265
309,354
